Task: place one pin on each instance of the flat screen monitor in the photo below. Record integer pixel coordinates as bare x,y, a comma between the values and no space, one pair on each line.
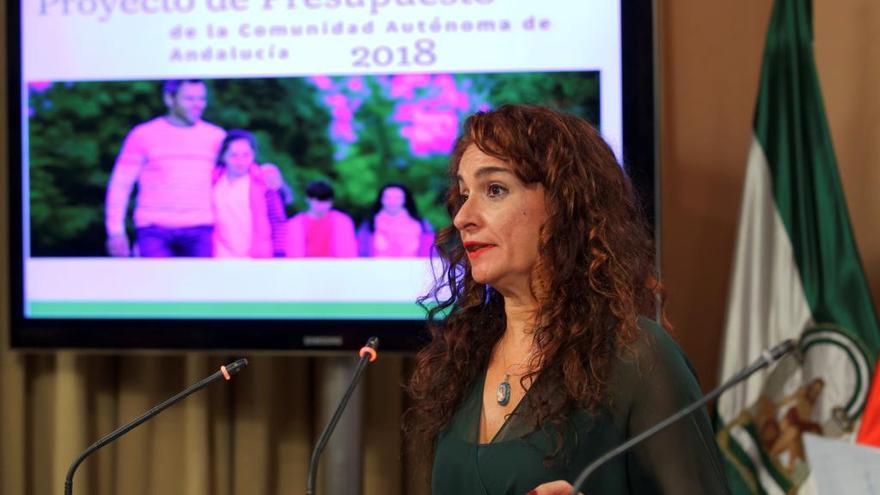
270,174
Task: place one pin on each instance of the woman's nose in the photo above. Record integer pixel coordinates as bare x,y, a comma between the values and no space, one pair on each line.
465,218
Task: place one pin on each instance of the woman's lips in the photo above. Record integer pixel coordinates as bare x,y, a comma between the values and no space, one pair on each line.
475,249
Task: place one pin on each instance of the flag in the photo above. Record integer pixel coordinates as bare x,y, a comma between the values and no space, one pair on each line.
869,432
796,274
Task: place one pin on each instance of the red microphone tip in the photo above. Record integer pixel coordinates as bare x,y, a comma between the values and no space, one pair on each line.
370,351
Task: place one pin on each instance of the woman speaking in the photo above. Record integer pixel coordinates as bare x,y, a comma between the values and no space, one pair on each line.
546,357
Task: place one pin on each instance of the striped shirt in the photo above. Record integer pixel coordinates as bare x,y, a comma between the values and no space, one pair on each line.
278,221
172,167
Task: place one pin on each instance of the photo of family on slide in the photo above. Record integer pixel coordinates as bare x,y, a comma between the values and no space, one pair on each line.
316,167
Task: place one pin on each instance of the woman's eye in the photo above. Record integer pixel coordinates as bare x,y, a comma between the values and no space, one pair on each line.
496,190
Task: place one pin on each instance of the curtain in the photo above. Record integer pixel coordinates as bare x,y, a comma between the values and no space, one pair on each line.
252,435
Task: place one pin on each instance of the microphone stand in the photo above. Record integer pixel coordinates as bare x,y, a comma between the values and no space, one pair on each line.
225,372
368,355
767,357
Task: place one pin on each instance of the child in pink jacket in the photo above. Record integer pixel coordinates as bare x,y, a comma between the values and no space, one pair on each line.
249,215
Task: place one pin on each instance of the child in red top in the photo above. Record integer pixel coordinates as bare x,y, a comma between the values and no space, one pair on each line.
321,232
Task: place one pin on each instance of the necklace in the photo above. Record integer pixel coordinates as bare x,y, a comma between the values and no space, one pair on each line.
502,393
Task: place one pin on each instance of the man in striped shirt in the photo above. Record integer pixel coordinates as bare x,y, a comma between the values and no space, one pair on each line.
171,159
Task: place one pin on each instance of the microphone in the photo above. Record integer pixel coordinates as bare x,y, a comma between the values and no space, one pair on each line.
368,355
225,372
768,357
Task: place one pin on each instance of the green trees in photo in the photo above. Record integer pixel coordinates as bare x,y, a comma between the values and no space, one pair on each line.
358,132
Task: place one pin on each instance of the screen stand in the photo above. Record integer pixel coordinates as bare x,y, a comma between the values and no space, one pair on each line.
340,470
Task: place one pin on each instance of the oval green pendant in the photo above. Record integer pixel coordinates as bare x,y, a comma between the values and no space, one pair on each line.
502,393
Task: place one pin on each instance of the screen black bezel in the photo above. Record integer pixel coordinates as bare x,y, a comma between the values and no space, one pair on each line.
637,53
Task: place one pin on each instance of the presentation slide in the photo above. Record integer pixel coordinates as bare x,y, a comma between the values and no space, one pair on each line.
272,159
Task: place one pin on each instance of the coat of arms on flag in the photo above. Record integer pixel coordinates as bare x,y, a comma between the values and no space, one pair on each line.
821,389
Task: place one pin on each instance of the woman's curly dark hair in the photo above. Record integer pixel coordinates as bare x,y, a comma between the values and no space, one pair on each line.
595,275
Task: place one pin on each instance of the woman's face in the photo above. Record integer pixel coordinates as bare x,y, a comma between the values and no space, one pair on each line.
499,221
238,157
393,199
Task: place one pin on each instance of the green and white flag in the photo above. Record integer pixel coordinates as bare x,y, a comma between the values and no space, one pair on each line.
796,274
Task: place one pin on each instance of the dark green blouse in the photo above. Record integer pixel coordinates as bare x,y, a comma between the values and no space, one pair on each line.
649,382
